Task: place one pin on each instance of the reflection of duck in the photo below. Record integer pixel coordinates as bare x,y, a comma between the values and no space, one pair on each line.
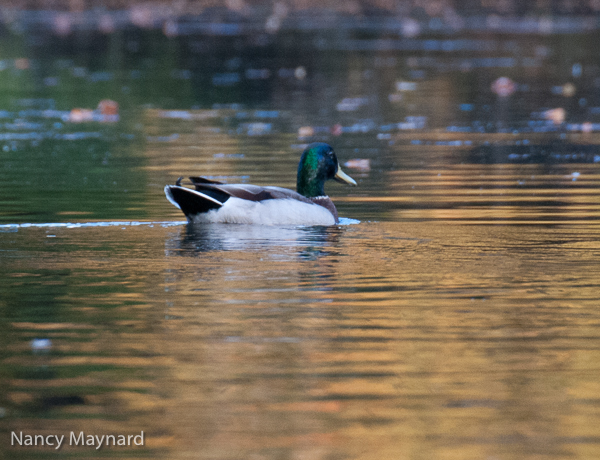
252,204
305,242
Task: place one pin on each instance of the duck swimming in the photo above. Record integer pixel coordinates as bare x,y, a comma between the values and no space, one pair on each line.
216,202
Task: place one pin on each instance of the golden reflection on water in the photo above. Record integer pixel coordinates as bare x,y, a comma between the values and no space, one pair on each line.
389,341
457,320
374,340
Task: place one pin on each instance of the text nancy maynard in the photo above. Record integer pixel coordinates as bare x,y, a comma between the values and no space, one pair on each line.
76,439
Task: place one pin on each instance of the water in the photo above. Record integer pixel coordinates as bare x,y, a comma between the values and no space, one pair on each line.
451,314
374,339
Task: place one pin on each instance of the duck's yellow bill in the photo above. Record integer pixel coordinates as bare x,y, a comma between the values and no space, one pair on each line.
341,176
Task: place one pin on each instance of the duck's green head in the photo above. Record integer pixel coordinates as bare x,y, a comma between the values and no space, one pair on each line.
317,165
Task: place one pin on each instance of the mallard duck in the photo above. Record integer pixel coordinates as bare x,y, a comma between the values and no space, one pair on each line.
216,202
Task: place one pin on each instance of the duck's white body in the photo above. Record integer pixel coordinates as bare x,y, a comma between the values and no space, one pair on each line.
280,211
270,212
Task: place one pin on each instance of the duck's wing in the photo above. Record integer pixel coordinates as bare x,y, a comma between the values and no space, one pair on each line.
245,191
192,202
203,180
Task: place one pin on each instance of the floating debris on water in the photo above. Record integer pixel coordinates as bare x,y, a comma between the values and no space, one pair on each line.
351,104
309,131
566,90
41,345
360,164
106,112
255,129
306,131
299,73
414,122
504,87
556,116
80,115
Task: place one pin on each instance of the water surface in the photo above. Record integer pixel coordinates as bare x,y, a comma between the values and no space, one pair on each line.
451,315
359,341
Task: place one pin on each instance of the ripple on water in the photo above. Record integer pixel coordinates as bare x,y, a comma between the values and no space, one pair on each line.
7,228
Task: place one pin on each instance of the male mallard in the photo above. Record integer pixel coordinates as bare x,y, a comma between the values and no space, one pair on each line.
214,201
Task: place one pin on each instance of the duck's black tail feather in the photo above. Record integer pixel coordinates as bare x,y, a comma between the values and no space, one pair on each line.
192,202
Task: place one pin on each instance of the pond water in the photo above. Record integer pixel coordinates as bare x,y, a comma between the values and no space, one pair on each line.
453,313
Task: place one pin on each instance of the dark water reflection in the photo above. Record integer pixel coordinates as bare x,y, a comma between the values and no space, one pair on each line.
452,315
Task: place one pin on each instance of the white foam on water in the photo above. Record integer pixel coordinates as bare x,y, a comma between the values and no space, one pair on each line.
348,221
8,228
16,227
